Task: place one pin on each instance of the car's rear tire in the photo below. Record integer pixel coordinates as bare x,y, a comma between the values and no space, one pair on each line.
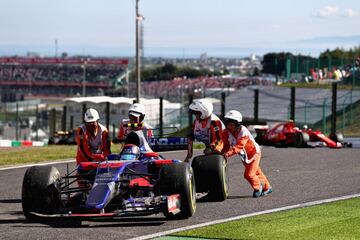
337,137
179,179
210,176
301,139
40,191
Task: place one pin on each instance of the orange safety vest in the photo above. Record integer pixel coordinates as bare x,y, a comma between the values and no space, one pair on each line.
208,131
242,143
88,145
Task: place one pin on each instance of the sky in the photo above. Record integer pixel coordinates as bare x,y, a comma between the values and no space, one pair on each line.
179,28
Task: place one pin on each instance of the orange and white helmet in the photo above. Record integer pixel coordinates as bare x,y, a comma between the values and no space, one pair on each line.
202,105
91,115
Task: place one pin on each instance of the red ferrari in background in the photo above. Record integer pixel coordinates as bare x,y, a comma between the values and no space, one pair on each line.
288,135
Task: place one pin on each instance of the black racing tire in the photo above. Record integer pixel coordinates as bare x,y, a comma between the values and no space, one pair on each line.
178,178
301,139
40,191
337,137
210,176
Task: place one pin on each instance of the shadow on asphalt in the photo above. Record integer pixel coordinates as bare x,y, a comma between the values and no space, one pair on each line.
239,197
81,223
12,221
10,200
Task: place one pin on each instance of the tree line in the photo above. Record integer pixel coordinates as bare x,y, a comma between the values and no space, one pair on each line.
276,63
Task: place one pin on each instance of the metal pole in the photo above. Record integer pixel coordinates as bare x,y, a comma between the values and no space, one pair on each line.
138,73
52,120
64,119
292,104
223,101
333,109
324,117
37,123
83,112
84,80
191,97
17,122
161,115
107,115
256,106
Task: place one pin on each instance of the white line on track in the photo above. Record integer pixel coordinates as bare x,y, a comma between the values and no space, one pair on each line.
301,205
37,164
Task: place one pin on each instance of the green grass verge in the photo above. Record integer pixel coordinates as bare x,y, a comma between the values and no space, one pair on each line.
318,85
337,220
24,155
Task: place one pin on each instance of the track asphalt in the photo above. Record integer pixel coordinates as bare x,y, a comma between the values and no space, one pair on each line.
297,176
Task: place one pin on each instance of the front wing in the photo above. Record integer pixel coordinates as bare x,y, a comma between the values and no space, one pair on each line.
131,207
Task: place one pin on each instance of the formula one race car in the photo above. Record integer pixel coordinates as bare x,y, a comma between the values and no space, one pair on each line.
120,187
113,188
288,135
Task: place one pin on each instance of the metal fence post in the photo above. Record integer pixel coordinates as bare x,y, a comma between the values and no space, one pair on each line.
333,108
37,123
52,120
17,122
324,117
107,115
292,104
84,110
63,125
161,115
256,106
190,115
223,101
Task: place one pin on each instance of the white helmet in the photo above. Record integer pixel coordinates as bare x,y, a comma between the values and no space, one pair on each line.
234,115
91,115
202,105
137,110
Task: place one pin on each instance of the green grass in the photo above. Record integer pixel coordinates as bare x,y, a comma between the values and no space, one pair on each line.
23,155
318,85
337,220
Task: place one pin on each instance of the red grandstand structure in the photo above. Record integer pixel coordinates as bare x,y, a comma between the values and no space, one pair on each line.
57,77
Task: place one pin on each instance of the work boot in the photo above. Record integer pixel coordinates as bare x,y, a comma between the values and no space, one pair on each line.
258,193
267,192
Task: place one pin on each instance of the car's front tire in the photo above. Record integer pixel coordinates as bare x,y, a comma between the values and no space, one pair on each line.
40,191
179,178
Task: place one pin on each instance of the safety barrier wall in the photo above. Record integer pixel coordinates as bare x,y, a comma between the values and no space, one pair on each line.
14,143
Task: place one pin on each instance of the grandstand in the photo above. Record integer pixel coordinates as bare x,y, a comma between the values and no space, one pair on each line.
28,77
200,87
